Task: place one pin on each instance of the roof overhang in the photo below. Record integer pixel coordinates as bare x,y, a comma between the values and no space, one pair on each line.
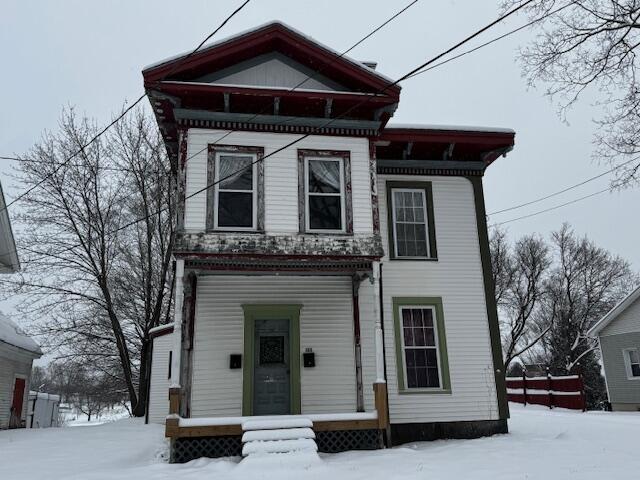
459,147
177,83
614,312
9,262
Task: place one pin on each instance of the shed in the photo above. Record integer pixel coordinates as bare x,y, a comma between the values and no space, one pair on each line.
17,352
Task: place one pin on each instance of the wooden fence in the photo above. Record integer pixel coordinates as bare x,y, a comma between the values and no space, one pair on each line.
563,391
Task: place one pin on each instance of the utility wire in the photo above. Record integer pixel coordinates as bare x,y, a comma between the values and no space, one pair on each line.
571,187
306,79
551,208
366,100
505,35
123,114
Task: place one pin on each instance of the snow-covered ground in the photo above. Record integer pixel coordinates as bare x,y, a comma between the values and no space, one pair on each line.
543,444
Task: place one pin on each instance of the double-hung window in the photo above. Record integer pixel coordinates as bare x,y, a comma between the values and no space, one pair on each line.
632,362
324,194
421,348
411,224
235,191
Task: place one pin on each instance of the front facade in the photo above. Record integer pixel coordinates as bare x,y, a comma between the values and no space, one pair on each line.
330,266
618,334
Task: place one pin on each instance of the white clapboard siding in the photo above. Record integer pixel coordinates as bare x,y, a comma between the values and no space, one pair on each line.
457,278
14,362
159,387
627,321
326,326
281,176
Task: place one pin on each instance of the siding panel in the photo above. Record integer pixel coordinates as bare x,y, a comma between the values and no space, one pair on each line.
326,325
621,389
13,362
457,278
628,321
159,387
281,176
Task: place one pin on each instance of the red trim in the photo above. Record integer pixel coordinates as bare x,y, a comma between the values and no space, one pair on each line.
180,88
447,136
272,37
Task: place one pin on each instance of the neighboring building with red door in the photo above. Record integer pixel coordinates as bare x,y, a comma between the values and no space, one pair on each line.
17,350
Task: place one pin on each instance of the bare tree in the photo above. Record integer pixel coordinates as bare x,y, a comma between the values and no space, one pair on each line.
519,276
586,282
96,280
591,44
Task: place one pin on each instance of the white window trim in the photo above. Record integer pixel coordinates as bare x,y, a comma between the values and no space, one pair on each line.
426,221
254,192
307,223
627,362
437,347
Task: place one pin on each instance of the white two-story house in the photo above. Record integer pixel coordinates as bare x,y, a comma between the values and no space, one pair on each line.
332,268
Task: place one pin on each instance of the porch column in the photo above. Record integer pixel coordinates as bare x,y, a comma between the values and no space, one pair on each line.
379,349
177,327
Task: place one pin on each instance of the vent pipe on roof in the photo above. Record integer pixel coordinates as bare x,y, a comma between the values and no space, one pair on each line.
371,65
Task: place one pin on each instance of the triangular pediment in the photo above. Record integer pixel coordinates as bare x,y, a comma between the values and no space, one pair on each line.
272,70
272,56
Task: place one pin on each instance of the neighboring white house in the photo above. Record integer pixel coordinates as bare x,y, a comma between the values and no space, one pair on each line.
618,334
17,352
9,262
331,267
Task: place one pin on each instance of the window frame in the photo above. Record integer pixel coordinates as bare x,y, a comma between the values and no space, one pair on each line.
346,205
435,304
212,194
427,198
628,364
308,194
254,192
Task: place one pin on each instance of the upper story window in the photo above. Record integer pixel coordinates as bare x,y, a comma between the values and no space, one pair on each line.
235,199
324,188
632,362
411,223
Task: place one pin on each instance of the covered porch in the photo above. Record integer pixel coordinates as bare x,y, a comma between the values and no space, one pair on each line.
277,339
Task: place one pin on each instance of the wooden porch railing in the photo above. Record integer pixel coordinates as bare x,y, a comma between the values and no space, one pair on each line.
174,430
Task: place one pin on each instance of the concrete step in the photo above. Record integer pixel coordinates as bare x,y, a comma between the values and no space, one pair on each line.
299,445
277,423
278,434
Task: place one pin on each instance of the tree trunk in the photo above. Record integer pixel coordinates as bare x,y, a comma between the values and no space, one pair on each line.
140,408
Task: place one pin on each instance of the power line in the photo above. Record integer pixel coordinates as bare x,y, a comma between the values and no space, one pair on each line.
559,192
319,128
306,79
309,77
511,32
551,208
122,115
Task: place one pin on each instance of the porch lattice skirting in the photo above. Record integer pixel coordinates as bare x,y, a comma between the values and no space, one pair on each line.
190,448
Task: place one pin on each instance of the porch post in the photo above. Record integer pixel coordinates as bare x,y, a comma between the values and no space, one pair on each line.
177,327
379,349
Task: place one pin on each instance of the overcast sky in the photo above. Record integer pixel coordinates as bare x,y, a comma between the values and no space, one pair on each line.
89,54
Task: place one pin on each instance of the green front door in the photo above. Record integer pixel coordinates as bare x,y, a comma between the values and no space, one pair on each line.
271,370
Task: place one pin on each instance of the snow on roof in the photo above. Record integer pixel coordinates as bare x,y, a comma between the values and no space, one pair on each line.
614,312
160,328
12,334
453,128
265,25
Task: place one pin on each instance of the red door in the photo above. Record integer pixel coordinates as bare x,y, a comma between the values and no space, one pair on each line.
16,405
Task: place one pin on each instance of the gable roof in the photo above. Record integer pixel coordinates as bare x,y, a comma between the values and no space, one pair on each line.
614,312
269,37
11,334
9,262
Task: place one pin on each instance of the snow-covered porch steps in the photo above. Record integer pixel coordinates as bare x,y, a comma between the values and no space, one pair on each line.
278,436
